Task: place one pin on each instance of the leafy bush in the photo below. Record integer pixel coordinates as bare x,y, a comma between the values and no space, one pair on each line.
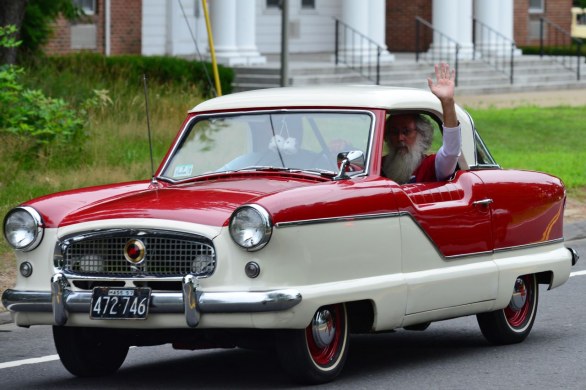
569,50
35,119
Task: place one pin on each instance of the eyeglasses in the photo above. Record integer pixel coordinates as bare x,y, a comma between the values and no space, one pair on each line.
405,132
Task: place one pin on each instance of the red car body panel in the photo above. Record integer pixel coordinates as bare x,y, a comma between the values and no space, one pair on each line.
527,206
445,211
209,202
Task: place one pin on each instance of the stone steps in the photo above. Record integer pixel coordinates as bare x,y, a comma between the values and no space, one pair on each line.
531,73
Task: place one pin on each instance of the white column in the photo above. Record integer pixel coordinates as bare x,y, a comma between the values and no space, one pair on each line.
377,23
453,18
367,18
246,32
507,22
494,32
355,15
223,18
464,36
178,39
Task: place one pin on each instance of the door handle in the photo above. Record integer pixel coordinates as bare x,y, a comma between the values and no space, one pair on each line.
483,202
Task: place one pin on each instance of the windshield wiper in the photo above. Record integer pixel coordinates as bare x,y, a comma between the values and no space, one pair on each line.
313,171
260,168
319,171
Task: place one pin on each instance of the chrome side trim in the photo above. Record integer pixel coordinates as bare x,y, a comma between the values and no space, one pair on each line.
526,246
344,218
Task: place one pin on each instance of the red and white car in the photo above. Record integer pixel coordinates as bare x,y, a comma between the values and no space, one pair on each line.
268,222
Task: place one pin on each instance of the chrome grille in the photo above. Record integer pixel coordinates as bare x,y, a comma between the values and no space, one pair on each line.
167,254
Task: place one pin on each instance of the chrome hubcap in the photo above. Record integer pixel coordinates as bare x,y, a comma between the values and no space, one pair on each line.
519,295
322,328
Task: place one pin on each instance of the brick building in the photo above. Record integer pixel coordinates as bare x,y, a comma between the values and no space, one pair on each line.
90,32
401,25
158,27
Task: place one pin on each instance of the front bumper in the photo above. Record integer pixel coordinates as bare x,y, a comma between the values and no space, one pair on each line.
191,301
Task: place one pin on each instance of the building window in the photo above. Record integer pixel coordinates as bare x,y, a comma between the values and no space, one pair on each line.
536,6
87,6
304,4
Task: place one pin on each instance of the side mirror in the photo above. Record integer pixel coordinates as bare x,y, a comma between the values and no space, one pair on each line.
350,161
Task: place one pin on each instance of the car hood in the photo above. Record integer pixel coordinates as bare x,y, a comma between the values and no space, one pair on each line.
205,202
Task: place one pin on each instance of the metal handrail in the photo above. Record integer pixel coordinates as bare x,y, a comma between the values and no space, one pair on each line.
439,52
352,50
564,60
498,50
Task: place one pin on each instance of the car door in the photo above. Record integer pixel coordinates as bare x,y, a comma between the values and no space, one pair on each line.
446,244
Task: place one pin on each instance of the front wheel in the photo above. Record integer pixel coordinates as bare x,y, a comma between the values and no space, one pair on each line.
317,353
513,323
89,352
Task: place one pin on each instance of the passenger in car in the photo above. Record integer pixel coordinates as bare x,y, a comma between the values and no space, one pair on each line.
409,136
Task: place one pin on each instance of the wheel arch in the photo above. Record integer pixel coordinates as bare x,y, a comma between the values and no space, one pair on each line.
545,277
361,315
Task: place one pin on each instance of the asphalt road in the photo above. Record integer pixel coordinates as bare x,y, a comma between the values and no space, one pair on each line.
448,355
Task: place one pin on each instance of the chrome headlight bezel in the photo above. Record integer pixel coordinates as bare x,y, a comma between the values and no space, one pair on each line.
251,227
31,224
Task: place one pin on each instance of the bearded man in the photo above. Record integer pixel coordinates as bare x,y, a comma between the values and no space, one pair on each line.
409,136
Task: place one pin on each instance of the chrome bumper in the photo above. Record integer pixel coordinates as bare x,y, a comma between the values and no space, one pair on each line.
191,301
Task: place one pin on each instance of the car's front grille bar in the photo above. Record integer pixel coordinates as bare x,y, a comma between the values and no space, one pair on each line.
166,254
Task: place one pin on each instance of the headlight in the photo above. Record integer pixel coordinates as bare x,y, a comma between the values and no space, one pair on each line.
251,227
23,228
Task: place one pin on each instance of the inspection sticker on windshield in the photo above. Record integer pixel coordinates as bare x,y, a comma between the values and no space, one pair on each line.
183,170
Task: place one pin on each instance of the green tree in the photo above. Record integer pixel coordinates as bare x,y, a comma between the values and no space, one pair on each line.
37,25
11,14
33,20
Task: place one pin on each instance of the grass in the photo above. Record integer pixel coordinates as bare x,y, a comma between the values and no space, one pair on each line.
534,138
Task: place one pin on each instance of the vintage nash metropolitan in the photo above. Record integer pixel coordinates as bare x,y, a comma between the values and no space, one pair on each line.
269,223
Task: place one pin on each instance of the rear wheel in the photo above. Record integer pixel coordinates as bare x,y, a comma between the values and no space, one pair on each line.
89,352
513,323
317,353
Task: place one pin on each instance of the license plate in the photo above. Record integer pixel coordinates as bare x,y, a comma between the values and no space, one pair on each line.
109,303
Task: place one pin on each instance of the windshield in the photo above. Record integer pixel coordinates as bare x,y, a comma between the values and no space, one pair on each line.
280,140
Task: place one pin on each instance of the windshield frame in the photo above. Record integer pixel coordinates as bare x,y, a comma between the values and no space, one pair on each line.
188,125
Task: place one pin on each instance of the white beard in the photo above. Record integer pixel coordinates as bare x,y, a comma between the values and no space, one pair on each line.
399,166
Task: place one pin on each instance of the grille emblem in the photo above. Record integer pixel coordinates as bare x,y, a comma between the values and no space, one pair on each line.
134,251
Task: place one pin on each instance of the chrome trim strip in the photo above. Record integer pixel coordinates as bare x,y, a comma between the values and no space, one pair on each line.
407,214
344,218
532,245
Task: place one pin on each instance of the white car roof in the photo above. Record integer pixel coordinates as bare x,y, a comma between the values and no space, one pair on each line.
348,96
371,96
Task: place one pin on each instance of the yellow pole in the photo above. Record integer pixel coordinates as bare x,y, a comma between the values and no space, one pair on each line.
212,50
